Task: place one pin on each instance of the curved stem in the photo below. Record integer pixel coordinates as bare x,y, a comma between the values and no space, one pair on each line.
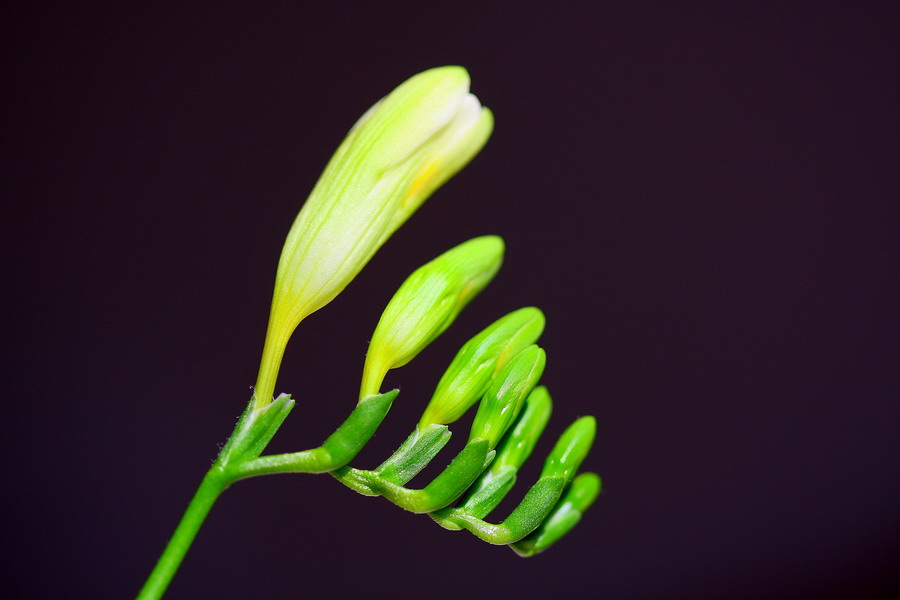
240,458
213,484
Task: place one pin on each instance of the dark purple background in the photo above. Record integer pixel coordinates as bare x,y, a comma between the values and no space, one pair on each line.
702,199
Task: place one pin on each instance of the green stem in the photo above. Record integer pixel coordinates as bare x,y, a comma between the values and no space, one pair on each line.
240,458
213,484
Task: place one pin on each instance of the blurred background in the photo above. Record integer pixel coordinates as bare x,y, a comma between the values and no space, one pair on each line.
701,197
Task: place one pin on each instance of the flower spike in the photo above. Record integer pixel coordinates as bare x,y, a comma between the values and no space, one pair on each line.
395,156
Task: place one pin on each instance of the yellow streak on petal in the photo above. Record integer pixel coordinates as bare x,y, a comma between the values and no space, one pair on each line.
422,181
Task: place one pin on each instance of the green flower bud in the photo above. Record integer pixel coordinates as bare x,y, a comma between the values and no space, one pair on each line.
506,394
512,453
427,303
470,373
518,445
581,494
396,155
571,448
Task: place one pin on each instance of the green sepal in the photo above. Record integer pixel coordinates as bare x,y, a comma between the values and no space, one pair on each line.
571,449
535,507
525,518
357,480
346,442
254,430
414,454
341,447
444,518
490,490
446,487
566,456
578,498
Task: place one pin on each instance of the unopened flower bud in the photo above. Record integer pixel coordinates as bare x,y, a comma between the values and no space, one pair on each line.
427,303
470,373
573,445
519,443
506,394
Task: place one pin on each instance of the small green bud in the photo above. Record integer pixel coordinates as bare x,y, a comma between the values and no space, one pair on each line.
393,158
427,303
470,373
581,494
571,449
506,394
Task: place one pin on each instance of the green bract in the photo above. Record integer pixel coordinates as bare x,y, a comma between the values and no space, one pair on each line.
468,376
396,155
581,494
505,396
427,303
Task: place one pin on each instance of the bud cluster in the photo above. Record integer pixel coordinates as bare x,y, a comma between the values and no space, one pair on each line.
394,157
